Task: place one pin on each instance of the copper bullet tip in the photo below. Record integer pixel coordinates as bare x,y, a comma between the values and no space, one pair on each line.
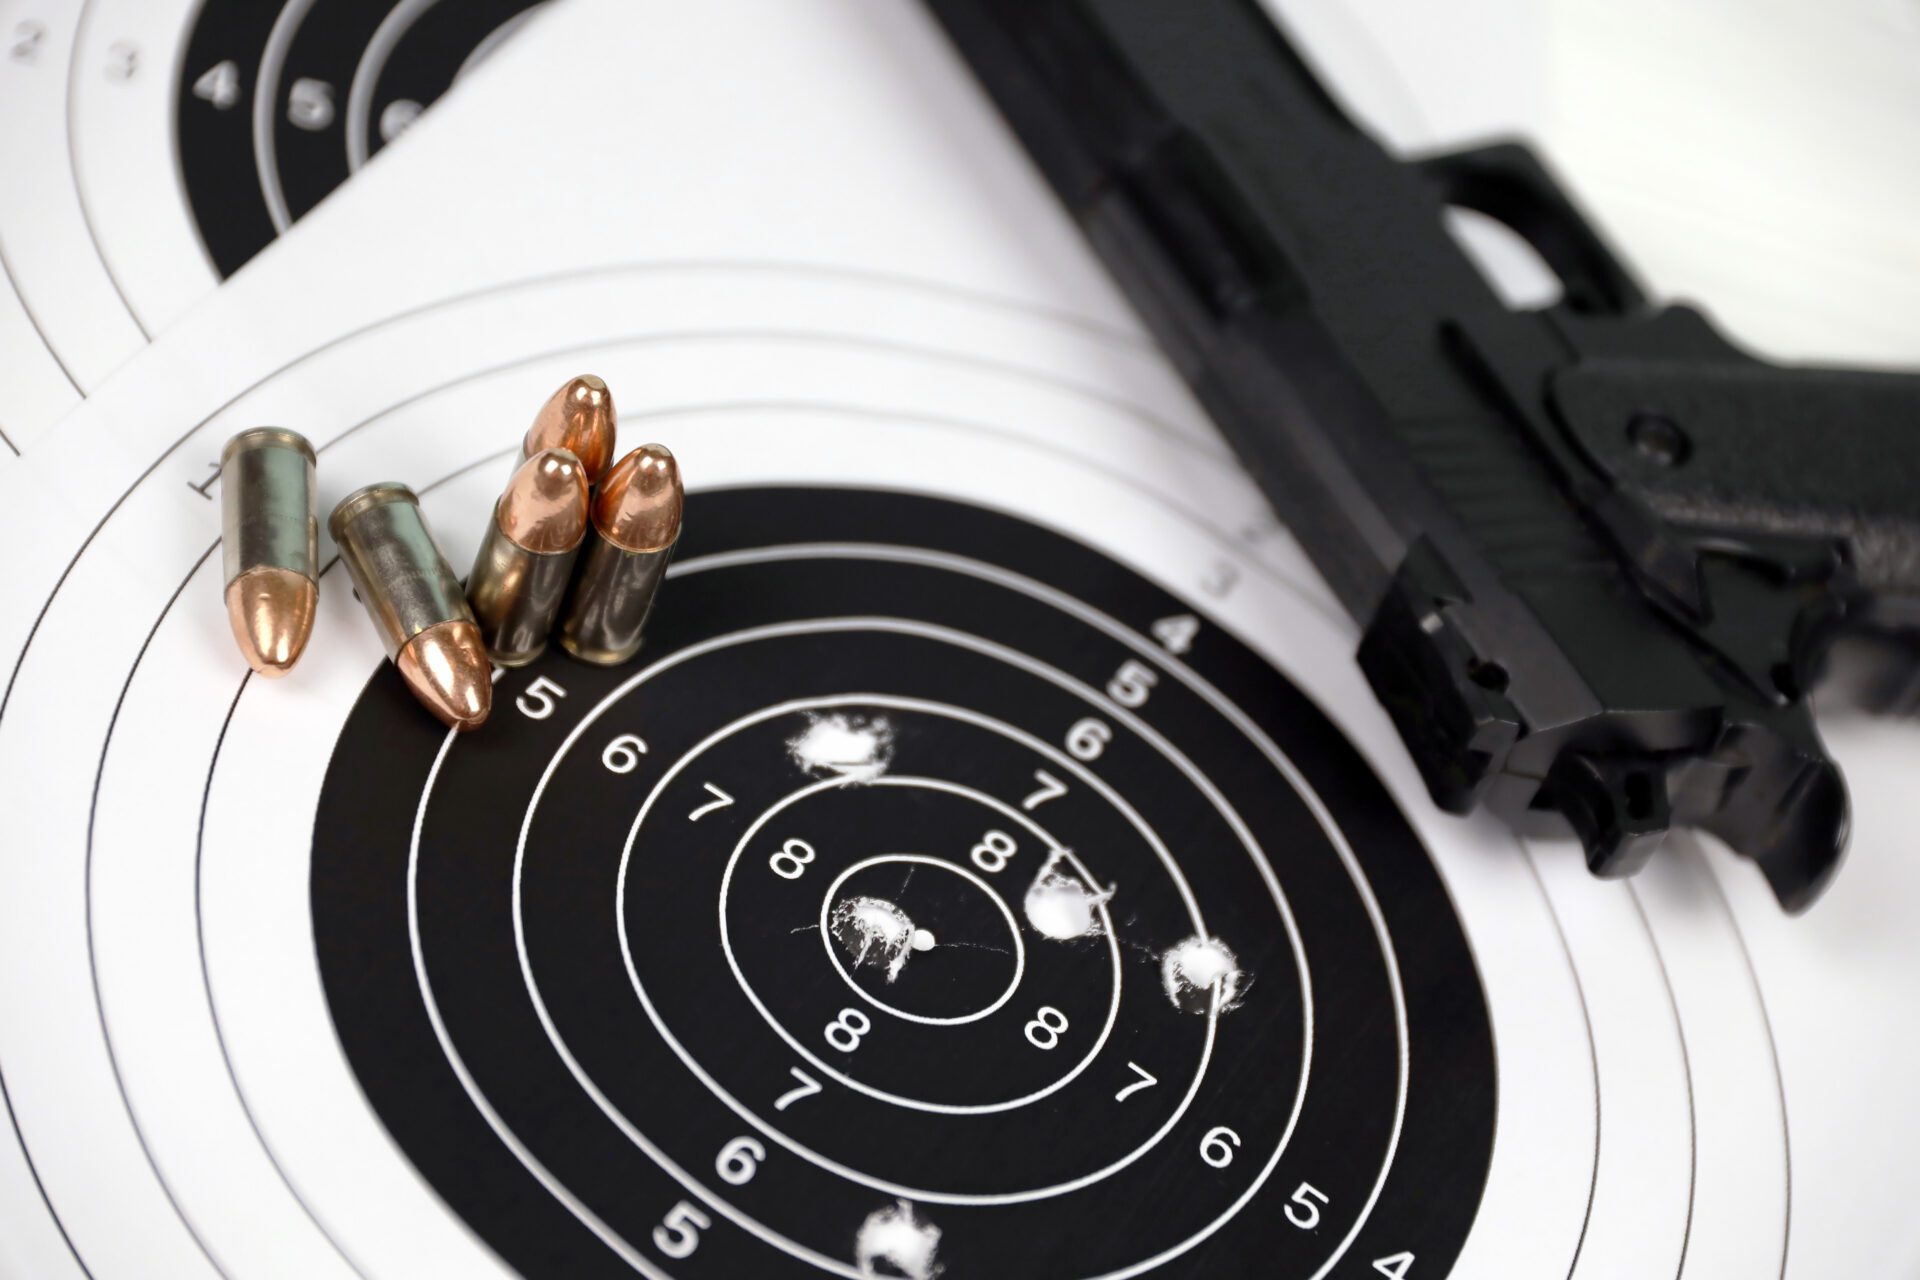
640,501
544,508
579,418
272,610
446,667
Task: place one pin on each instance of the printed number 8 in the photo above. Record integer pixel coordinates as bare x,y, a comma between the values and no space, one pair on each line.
847,1031
993,851
1044,1031
791,862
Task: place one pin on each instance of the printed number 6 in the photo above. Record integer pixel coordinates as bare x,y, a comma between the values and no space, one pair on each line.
1088,738
623,753
1218,1146
738,1160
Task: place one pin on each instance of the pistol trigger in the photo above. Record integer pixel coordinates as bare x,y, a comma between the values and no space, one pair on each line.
1769,790
1667,567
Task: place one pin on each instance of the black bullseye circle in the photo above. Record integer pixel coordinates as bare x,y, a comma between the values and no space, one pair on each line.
277,103
933,895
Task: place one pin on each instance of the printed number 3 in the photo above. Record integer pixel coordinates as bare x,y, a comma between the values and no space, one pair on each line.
26,41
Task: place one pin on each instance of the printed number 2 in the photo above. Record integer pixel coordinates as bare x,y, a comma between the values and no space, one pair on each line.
1395,1268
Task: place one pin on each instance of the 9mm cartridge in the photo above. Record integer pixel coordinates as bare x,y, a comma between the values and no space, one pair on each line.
415,602
268,546
526,558
636,521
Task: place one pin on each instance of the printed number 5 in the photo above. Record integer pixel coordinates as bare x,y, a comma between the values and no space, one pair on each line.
678,1234
1303,1198
540,699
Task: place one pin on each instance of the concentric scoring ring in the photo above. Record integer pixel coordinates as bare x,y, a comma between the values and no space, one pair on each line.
831,897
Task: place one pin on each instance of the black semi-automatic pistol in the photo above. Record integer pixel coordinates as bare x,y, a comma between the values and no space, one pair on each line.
1599,553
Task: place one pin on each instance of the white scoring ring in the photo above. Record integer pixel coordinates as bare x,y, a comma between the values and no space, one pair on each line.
1267,747
1067,604
1102,622
726,884
666,1162
923,860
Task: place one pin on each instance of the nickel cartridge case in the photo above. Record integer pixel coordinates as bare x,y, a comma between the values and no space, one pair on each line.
636,521
526,559
268,545
415,602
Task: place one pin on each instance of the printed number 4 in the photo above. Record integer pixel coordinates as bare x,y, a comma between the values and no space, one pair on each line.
219,85
1395,1268
1176,634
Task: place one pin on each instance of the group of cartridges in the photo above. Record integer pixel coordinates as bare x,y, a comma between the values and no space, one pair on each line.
577,544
